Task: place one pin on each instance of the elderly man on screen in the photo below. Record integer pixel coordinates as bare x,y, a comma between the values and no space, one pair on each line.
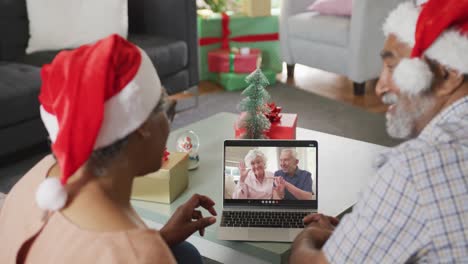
415,209
292,183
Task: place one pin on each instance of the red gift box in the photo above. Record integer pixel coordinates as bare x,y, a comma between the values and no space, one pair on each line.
224,60
284,129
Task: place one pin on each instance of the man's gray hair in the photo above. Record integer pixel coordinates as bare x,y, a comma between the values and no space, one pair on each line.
292,151
253,154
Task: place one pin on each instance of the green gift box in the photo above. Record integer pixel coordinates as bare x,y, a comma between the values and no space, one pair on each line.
236,81
222,31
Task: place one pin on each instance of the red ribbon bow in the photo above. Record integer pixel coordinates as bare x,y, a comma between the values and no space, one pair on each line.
274,114
226,32
166,155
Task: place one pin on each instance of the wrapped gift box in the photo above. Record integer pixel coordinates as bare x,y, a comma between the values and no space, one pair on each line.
284,129
236,81
240,31
165,185
244,60
256,8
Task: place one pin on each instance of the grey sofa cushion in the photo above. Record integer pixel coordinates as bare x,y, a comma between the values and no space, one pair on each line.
38,58
19,86
176,82
333,30
168,56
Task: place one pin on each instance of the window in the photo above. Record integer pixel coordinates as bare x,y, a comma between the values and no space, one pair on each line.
233,171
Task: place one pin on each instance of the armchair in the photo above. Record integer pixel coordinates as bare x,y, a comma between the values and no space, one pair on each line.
342,45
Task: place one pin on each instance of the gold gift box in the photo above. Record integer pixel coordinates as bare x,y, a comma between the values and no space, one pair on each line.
165,185
257,8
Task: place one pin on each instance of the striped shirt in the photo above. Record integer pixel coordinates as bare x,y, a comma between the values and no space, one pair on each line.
416,208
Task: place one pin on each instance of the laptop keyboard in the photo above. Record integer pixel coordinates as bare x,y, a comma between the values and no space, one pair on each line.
263,219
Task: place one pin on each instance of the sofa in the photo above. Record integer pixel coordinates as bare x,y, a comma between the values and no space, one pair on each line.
165,29
347,46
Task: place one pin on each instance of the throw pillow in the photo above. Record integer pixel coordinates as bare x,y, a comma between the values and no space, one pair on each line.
332,7
62,24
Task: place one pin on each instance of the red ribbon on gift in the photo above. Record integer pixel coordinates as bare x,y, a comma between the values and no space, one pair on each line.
224,39
274,114
166,155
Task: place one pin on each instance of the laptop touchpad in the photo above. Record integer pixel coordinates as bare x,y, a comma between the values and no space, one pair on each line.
267,234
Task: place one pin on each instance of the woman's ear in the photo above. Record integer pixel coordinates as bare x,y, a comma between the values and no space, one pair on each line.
143,131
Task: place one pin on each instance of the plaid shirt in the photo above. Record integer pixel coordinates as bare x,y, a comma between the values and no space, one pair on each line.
416,208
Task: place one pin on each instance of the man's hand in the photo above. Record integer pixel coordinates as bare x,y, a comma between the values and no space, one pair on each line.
297,192
186,220
306,247
279,186
318,229
321,221
243,172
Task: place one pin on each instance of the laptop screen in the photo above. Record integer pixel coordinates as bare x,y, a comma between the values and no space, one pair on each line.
271,173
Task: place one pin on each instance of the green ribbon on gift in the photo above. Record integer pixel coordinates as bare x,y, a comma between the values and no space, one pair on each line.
232,56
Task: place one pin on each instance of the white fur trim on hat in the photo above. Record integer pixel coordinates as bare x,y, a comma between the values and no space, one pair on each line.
412,76
51,195
124,112
421,2
402,22
451,50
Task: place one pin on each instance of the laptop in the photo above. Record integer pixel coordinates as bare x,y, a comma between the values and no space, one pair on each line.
262,205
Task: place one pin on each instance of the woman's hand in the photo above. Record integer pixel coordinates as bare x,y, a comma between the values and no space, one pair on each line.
243,172
186,220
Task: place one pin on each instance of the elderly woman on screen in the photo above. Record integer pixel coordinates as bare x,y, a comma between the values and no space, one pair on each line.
255,182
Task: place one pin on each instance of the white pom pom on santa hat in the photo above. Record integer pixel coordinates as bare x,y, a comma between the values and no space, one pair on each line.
439,36
413,76
51,195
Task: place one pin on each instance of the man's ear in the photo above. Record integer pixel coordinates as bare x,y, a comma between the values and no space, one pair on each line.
451,80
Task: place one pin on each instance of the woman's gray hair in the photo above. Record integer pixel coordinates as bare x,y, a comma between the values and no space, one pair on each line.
253,154
101,158
292,151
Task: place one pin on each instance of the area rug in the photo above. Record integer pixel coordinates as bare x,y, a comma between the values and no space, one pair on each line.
315,112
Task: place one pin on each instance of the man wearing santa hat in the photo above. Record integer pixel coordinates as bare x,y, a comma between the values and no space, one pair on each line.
416,208
102,105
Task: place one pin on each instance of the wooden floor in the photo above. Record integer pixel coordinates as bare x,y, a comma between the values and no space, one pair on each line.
315,81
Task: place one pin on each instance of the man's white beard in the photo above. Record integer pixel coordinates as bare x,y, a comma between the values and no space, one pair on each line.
402,122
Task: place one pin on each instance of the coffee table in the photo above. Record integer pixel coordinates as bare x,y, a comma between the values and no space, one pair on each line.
345,166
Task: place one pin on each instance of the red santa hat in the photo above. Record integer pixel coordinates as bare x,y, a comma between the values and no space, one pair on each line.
437,29
90,98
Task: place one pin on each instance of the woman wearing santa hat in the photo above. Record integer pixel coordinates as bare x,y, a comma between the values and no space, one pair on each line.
102,106
415,209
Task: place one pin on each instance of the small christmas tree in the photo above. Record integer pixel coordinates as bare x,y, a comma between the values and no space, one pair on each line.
255,104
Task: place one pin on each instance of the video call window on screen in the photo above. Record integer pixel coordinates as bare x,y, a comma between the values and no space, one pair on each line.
270,173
